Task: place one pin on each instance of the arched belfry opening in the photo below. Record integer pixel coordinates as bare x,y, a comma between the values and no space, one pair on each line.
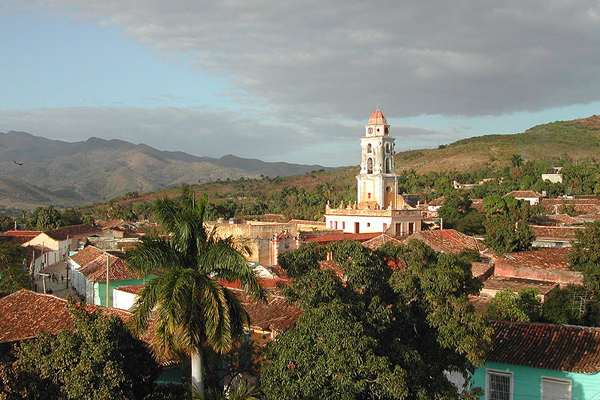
370,166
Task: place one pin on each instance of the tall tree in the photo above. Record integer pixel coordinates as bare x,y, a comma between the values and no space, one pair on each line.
189,307
99,360
13,275
368,332
506,224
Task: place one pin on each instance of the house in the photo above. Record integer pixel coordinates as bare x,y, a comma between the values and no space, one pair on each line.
89,267
266,240
549,265
541,361
554,236
25,314
55,245
529,196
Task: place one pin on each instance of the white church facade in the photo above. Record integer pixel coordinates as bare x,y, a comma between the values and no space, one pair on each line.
379,207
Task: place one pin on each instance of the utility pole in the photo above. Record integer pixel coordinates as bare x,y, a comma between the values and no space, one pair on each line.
107,280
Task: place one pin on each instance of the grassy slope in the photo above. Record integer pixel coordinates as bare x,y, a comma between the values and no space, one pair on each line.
576,140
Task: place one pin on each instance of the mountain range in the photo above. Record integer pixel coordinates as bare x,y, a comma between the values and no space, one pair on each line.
40,171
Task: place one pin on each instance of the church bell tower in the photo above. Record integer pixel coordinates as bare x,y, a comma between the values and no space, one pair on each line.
377,180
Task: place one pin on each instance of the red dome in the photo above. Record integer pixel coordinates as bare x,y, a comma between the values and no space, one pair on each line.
377,117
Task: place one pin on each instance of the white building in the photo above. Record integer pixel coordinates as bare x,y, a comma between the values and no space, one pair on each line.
377,209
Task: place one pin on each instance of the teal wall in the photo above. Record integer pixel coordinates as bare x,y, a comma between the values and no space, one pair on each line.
527,382
173,374
100,289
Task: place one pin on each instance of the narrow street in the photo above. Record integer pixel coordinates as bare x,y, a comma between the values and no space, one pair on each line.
57,286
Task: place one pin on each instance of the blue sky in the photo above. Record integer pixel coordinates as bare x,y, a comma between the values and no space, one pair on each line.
293,81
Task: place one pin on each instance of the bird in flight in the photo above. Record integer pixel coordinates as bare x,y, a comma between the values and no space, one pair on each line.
18,163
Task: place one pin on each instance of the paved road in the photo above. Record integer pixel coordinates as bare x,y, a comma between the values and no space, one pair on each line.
59,286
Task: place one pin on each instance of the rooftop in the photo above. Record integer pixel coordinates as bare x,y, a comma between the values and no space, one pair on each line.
499,283
544,258
92,264
377,117
65,232
25,313
448,241
524,194
549,346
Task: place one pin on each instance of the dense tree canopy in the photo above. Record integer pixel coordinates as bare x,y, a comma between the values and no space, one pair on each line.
99,360
369,332
506,224
13,275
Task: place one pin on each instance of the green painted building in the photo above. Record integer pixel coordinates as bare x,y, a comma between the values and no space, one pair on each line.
535,361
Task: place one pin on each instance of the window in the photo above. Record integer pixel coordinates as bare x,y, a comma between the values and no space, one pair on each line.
343,225
369,148
556,389
498,385
370,166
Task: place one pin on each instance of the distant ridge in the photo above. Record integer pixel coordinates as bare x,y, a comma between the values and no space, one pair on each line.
68,174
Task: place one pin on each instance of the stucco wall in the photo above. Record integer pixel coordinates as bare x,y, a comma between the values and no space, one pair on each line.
504,268
527,382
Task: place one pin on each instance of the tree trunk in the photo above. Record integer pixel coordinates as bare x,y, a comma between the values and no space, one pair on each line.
198,371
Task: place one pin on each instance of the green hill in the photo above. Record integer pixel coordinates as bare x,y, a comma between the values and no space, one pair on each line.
573,140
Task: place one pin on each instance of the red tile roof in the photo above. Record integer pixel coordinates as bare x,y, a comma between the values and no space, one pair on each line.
528,194
377,117
556,220
64,232
92,262
275,315
22,233
380,240
543,258
547,346
25,313
448,241
555,232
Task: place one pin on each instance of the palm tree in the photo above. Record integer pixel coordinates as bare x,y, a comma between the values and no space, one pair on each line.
517,160
189,309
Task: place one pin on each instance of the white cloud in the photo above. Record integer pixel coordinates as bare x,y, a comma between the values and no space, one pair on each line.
312,64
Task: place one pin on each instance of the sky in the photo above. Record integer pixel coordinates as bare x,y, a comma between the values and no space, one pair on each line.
294,80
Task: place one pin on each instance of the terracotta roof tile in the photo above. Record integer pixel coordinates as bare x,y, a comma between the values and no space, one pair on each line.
524,194
92,262
25,313
547,346
380,240
555,232
448,241
543,258
64,232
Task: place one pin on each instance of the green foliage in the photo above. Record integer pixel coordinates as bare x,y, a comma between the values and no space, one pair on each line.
304,259
100,360
510,306
44,219
13,275
506,224
584,256
191,310
516,160
371,333
571,305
